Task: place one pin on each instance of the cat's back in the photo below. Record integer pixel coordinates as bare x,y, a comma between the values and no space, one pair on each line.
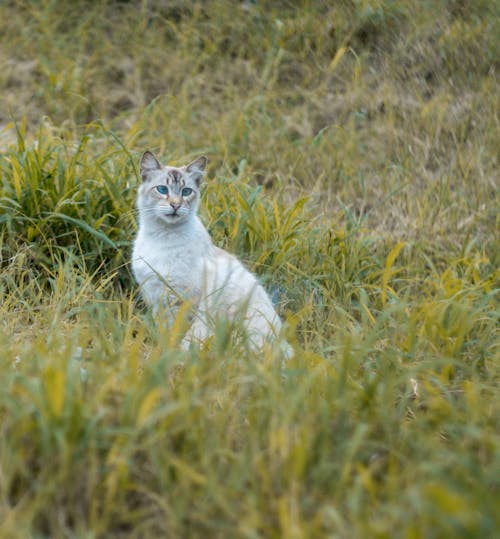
231,287
225,270
229,280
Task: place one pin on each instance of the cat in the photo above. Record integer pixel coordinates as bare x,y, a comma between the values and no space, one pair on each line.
174,259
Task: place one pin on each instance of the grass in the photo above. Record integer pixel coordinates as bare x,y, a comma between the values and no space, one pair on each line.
354,167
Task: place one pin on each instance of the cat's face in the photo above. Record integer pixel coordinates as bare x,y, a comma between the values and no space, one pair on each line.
170,194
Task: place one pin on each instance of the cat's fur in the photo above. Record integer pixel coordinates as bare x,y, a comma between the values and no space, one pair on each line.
174,258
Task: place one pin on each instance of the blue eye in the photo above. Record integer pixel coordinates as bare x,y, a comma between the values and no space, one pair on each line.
186,191
162,189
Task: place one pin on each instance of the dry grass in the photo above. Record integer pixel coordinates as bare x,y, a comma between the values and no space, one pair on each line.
354,166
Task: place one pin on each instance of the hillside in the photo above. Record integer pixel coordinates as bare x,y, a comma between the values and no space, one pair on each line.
353,165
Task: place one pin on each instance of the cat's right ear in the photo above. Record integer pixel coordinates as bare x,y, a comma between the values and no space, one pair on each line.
196,169
148,163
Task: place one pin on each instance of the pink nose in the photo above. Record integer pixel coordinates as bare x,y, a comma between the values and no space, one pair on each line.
175,206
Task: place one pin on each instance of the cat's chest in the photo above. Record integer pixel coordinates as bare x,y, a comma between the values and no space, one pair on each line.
178,262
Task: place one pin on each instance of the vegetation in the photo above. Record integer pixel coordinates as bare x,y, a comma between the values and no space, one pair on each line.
353,151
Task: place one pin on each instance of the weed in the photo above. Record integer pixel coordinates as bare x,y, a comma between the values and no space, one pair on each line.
353,166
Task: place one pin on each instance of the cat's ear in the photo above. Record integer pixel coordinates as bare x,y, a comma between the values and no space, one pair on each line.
148,163
196,169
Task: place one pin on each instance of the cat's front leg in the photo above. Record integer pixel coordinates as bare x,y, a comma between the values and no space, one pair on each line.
167,309
197,333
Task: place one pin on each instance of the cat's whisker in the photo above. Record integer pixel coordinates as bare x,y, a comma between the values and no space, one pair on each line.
132,213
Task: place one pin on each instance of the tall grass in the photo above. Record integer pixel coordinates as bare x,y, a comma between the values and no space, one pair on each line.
354,168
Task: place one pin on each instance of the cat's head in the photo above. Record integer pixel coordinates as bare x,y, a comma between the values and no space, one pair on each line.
170,194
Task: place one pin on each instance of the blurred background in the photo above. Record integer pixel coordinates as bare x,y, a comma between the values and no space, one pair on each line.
378,106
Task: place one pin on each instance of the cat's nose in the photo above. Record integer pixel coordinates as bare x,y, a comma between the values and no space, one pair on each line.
175,205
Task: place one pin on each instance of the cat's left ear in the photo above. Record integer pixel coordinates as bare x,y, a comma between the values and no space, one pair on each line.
148,163
196,169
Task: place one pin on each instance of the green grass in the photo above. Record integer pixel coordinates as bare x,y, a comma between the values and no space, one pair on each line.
354,167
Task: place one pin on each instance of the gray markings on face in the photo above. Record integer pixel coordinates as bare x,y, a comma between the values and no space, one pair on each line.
174,176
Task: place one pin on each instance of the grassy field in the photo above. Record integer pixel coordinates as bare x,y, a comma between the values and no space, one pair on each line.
353,151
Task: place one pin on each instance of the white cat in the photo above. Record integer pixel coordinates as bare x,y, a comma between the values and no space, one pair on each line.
174,259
